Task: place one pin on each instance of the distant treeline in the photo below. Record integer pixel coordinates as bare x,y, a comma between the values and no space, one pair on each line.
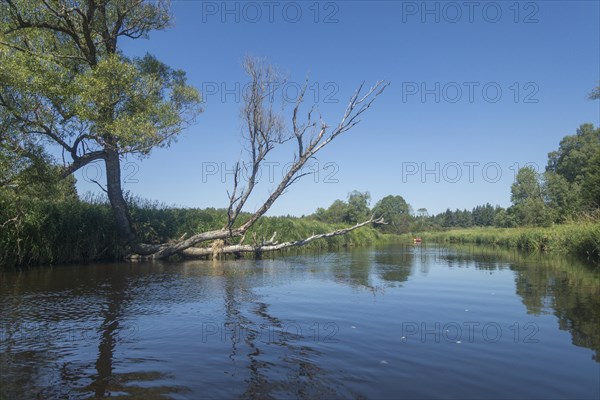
567,191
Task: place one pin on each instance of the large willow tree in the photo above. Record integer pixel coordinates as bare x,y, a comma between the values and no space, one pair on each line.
63,79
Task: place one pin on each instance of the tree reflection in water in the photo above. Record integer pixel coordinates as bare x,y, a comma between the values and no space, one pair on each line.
52,314
260,342
566,287
106,382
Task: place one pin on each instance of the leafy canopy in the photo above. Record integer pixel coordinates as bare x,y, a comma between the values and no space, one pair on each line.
63,78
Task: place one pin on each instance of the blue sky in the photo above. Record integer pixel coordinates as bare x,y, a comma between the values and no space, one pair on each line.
477,90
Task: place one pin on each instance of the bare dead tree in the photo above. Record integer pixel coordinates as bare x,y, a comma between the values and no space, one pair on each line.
265,130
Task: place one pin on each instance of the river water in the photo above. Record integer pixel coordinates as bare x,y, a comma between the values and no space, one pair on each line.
392,322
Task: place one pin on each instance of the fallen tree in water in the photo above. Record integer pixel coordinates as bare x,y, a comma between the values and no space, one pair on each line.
266,130
220,248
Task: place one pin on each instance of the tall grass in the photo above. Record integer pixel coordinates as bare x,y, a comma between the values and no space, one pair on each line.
582,238
36,231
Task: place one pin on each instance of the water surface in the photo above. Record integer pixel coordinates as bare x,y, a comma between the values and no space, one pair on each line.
394,322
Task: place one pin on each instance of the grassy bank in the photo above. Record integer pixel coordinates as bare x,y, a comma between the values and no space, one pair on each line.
35,231
581,238
40,231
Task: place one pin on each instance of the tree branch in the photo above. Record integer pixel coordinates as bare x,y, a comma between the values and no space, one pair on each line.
265,130
83,161
195,252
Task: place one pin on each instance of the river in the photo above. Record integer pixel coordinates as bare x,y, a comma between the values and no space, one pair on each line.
390,322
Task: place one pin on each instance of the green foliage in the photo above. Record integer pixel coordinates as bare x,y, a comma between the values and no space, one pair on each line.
484,215
527,196
563,198
336,213
158,223
568,193
505,219
134,105
148,99
358,207
526,186
22,160
590,183
37,230
573,175
351,212
574,153
532,212
462,218
64,79
581,238
25,169
395,212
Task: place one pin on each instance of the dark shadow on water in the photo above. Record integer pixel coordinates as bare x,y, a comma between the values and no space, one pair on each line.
71,309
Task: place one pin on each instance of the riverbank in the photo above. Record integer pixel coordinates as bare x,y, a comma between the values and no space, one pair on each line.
582,238
40,231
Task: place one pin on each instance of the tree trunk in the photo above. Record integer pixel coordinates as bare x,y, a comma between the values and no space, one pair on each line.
117,202
271,245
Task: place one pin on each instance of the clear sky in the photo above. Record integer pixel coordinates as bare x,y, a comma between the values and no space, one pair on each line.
477,90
